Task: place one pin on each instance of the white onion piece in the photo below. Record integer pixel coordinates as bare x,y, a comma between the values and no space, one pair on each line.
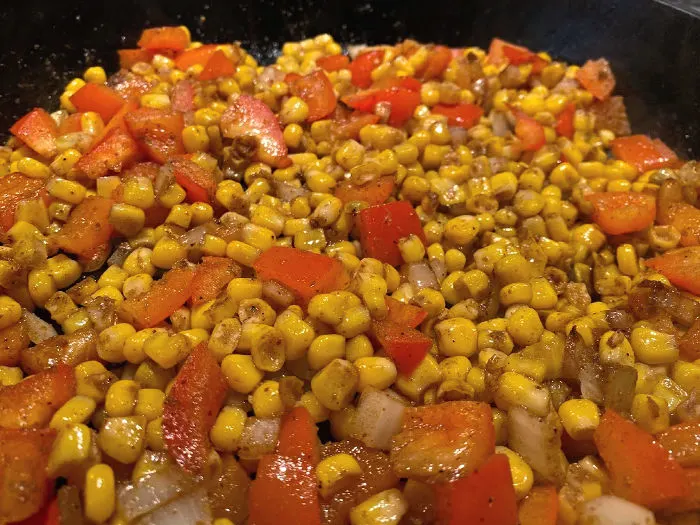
378,418
499,124
38,329
611,510
439,269
164,179
538,441
591,384
152,491
191,509
288,192
459,135
420,275
194,237
259,438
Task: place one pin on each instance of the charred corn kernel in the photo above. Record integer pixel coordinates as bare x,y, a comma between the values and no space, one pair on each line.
123,438
111,341
671,392
653,347
256,311
41,286
336,384
387,508
138,191
524,326
166,350
70,449
375,372
228,428
266,400
614,348
241,373
330,307
517,390
335,472
10,375
155,101
426,374
167,252
77,409
358,347
121,398
127,219
66,190
687,375
520,472
411,248
99,491
650,412
149,403
579,417
136,285
224,338
10,311
456,336
33,168
515,293
242,253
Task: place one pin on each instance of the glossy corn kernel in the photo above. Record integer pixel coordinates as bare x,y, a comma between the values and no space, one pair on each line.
515,389
456,336
99,493
520,472
336,384
579,417
653,347
241,373
123,438
426,374
387,507
70,450
228,429
121,398
266,400
650,412
336,472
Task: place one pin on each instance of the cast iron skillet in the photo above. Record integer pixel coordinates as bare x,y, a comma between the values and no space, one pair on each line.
654,49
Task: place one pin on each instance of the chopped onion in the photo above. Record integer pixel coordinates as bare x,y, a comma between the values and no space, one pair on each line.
194,237
420,275
378,418
153,491
120,254
38,329
164,180
188,510
70,508
611,510
277,294
459,135
499,124
592,383
288,192
102,312
259,437
538,441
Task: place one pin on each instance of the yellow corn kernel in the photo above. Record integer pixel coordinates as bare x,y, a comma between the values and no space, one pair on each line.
580,418
77,409
515,293
195,138
524,326
166,350
266,400
687,375
174,194
121,398
66,190
167,252
294,110
111,341
10,311
456,336
224,338
11,375
155,101
671,392
375,372
99,492
373,289
41,286
33,168
113,276
133,345
138,191
387,507
324,349
228,428
653,347
149,403
76,321
517,390
180,215
241,373
110,292
426,374
150,375
123,438
520,472
336,472
650,412
70,449
614,348
336,384
242,253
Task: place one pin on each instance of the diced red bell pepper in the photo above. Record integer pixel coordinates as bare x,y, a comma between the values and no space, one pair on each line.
462,115
317,91
16,188
87,229
50,514
689,345
24,485
618,212
38,131
298,436
565,121
691,502
486,496
304,273
98,98
501,51
683,443
115,152
643,153
211,277
198,183
529,131
686,219
196,56
166,295
129,57
218,65
159,132
361,68
405,346
382,226
117,121
333,63
680,266
436,63
404,314
191,407
402,101
13,340
409,83
641,471
159,38
349,127
443,442
285,490
182,97
597,77
248,116
130,86
71,124
374,192
32,402
540,507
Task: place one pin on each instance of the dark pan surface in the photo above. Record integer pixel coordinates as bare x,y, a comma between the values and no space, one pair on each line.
654,49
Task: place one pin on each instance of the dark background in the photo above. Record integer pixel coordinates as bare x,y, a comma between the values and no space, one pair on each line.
654,49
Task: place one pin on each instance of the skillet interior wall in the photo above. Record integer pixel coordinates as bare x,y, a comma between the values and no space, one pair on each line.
654,49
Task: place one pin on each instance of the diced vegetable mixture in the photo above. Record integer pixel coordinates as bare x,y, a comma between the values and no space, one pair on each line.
398,285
